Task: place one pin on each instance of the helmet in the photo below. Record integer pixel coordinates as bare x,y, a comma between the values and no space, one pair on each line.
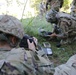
11,25
51,16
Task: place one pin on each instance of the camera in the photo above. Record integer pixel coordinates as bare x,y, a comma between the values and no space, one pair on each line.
24,42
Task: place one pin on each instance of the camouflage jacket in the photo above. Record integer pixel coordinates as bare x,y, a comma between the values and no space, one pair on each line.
67,24
14,62
19,61
73,8
67,69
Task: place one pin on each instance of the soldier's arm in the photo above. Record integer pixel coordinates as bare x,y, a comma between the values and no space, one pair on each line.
62,36
31,45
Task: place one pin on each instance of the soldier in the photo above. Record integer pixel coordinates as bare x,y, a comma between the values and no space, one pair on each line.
73,8
42,8
69,68
66,23
54,4
15,60
12,59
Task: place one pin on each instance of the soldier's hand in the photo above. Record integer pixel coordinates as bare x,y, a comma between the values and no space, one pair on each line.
53,35
35,40
31,45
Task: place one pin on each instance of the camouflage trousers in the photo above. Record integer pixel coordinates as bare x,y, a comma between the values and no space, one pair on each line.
68,40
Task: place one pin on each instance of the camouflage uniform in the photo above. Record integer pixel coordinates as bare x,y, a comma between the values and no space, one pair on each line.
42,8
54,4
67,24
73,8
18,61
69,68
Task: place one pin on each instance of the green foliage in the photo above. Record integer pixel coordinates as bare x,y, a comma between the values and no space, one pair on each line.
66,5
35,5
33,24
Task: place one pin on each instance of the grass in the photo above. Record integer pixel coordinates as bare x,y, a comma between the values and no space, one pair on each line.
60,55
